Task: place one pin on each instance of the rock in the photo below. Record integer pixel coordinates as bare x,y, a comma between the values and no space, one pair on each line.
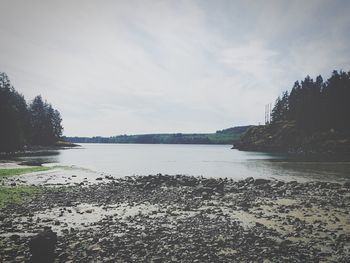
9,250
260,181
156,260
14,237
279,184
94,248
20,259
249,180
42,247
75,245
347,184
31,163
99,179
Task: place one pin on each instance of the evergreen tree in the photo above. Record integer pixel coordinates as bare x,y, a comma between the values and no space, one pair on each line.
13,116
57,126
38,124
336,97
293,101
317,105
279,112
45,122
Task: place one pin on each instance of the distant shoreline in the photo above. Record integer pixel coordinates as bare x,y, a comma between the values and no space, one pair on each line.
149,143
227,136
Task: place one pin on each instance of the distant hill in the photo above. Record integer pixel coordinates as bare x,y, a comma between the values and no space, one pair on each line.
226,136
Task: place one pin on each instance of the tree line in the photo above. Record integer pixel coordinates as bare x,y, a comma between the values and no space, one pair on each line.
36,123
170,138
317,105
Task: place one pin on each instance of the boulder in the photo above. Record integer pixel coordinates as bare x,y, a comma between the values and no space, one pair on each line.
260,181
42,247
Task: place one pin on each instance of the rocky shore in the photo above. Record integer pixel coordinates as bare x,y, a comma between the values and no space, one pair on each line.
286,137
37,150
160,218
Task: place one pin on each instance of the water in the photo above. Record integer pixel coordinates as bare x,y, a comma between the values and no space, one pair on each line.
206,160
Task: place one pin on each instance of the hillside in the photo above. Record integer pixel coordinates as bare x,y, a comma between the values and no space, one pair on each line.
226,136
313,118
286,137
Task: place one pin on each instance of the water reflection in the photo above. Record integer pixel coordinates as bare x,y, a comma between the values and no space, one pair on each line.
320,170
206,160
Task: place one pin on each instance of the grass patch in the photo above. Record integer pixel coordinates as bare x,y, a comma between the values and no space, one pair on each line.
6,172
18,194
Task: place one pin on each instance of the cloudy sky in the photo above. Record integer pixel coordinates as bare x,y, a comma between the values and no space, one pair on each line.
116,67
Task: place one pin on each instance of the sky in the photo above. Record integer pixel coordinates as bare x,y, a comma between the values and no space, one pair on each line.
163,66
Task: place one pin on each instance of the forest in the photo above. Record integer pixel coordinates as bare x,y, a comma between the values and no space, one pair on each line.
226,136
26,124
317,105
313,119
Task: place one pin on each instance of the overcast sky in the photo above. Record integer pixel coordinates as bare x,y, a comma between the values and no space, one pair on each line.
116,67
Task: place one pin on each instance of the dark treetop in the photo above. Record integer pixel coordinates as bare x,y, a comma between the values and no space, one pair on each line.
37,123
313,118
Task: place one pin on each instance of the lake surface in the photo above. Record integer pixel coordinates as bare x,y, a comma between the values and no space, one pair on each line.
206,160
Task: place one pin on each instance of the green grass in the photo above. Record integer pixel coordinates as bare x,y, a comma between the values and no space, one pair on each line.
18,194
6,172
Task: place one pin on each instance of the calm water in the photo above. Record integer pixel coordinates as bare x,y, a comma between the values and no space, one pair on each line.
206,160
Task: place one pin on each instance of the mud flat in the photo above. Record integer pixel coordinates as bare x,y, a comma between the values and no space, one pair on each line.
162,218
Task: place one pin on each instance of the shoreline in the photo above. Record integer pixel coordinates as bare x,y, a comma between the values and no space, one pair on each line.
287,138
163,218
36,150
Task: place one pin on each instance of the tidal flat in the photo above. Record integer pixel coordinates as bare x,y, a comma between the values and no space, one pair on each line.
176,218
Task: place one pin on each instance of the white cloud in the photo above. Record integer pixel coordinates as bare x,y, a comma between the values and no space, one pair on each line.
160,66
252,60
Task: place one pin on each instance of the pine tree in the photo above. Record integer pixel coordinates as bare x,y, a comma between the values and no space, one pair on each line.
13,116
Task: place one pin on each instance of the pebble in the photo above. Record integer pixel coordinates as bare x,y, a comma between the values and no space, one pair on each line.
197,220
